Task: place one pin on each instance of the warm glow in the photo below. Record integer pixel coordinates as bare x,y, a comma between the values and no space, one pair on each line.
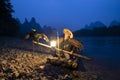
53,43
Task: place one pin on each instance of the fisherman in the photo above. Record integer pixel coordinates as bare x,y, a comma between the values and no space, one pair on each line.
67,43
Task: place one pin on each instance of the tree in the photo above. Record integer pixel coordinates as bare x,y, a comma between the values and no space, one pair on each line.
8,25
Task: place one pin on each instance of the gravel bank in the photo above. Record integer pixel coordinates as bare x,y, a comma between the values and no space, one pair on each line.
22,60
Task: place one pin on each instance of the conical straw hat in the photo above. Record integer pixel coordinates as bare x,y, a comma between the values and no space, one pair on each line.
68,32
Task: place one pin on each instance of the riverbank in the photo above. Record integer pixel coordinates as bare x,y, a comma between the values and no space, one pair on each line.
21,59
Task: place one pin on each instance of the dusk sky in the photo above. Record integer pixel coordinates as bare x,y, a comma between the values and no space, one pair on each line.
73,14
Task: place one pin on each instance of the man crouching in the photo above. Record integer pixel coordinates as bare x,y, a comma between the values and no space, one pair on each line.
67,43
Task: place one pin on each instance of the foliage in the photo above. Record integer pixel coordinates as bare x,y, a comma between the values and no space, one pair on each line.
8,25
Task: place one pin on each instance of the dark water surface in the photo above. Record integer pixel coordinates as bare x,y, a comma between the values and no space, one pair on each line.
104,50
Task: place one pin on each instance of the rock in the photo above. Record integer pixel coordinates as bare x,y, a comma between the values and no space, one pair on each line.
67,77
8,70
15,74
2,79
4,62
42,67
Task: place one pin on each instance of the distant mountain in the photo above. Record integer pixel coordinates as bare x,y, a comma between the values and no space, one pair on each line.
93,25
114,23
28,26
99,29
36,25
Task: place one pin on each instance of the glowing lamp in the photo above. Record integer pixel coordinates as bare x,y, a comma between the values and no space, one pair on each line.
53,43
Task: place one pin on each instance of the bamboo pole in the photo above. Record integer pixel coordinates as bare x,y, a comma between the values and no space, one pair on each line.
74,54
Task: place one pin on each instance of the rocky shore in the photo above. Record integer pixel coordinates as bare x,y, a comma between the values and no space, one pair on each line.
22,60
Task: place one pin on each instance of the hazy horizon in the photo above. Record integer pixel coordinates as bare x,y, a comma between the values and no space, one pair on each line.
73,14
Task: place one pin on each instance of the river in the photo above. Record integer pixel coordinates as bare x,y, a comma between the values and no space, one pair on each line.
103,50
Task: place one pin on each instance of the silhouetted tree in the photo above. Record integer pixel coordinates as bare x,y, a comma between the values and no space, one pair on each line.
114,28
8,25
99,31
82,32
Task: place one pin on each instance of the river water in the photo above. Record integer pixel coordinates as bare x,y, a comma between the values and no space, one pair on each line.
104,50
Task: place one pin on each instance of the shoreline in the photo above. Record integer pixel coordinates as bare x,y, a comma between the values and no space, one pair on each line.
25,53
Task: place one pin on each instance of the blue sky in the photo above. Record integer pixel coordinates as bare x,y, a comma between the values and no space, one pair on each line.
73,14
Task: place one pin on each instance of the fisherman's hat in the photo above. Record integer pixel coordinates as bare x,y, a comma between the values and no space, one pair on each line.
67,31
